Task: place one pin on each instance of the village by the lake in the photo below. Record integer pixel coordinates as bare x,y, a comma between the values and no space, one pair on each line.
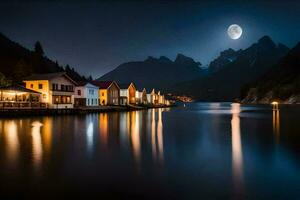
53,91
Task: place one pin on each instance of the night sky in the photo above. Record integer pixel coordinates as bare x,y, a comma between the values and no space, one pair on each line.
95,37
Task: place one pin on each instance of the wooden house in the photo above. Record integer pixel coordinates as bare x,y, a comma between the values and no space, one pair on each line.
127,93
109,92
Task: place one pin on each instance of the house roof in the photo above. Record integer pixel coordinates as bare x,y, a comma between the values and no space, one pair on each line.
102,84
48,76
125,85
18,88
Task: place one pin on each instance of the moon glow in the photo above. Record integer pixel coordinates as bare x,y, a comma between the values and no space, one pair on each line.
234,31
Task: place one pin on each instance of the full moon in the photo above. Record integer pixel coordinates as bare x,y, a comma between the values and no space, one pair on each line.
234,31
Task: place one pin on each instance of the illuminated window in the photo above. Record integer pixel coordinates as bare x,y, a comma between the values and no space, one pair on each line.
40,86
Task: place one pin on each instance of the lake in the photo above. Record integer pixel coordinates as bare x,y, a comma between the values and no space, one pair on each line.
200,150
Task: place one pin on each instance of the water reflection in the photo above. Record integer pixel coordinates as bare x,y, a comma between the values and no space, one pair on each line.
276,124
37,150
90,133
135,135
12,146
47,134
157,143
237,153
103,125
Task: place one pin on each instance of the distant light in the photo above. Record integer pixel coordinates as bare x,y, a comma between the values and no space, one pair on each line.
274,103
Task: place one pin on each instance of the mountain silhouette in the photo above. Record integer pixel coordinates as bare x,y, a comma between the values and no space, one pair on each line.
160,73
244,67
280,83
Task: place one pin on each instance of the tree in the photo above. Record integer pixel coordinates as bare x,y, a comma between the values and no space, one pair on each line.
3,80
38,48
90,78
22,69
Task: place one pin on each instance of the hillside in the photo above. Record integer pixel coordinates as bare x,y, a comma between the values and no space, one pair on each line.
161,73
17,62
281,83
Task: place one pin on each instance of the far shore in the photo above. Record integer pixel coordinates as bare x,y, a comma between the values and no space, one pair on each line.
20,112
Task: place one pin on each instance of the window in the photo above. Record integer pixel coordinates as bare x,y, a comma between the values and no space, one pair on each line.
92,101
62,87
40,86
44,96
31,85
102,94
79,92
88,103
91,92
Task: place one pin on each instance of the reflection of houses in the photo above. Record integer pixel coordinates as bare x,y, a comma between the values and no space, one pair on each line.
86,94
57,89
127,93
141,96
18,96
109,92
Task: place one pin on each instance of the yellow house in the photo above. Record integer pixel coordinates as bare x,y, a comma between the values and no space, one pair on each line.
57,89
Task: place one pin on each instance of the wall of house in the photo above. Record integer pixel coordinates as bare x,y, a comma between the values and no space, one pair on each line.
131,94
103,97
34,85
92,97
113,94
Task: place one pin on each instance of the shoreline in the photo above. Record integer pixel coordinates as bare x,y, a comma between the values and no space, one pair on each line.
21,112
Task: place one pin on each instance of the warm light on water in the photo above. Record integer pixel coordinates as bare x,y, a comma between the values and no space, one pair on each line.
237,151
201,151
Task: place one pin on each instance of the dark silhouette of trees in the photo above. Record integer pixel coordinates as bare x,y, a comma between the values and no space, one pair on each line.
38,49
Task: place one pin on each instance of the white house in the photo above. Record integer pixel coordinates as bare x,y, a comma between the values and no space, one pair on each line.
86,94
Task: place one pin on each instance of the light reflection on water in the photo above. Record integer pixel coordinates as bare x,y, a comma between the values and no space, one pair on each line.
237,151
207,144
37,149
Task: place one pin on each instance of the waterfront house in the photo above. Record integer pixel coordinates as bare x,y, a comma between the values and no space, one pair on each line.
154,97
127,93
161,98
86,94
109,92
19,96
141,96
57,89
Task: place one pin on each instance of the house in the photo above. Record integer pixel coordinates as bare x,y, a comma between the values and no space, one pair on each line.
154,97
57,89
86,94
109,92
19,96
161,98
127,93
141,96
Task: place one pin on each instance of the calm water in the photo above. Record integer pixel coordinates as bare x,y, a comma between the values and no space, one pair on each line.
208,150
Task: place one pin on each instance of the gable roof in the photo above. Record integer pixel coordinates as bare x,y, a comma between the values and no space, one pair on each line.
102,84
86,83
48,76
126,85
18,88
